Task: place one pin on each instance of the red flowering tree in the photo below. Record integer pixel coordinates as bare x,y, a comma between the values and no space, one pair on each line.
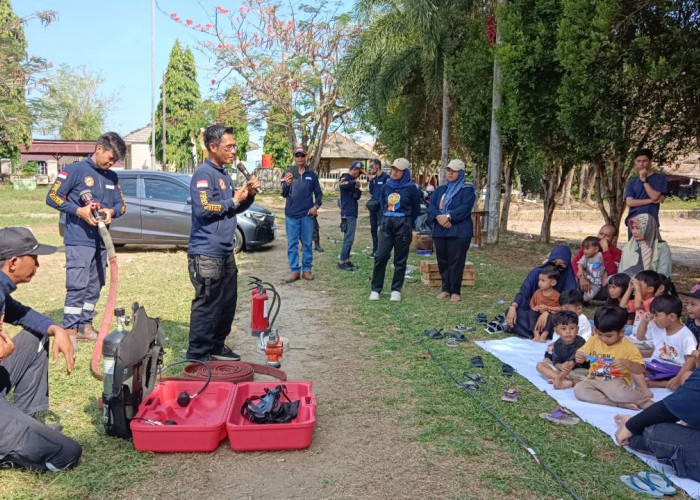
286,58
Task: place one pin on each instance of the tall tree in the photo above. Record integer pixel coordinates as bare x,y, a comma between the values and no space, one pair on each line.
182,117
631,80
276,142
228,110
16,72
285,57
72,107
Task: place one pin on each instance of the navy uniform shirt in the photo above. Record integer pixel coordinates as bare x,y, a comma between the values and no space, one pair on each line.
376,185
400,202
635,189
348,204
460,211
213,213
302,194
15,313
64,195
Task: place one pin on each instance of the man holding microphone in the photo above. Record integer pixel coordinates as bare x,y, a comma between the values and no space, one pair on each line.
349,194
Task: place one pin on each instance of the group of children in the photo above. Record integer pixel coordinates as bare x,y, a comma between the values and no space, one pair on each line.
640,319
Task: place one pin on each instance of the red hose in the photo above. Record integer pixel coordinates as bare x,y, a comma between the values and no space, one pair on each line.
111,301
231,371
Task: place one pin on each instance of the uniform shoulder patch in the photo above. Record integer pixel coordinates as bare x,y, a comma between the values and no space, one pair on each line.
89,181
63,175
202,183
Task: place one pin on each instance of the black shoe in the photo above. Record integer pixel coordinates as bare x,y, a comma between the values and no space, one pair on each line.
317,248
372,255
226,354
346,266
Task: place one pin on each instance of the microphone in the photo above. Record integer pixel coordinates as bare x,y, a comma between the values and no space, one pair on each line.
241,168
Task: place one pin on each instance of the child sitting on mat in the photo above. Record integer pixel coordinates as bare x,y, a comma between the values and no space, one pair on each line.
613,360
644,285
543,302
617,286
692,307
559,366
673,342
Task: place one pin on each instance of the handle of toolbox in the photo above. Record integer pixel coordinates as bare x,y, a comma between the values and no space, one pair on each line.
310,400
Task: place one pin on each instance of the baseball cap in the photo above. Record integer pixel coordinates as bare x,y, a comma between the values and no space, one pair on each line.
401,164
18,241
300,149
694,292
456,165
357,164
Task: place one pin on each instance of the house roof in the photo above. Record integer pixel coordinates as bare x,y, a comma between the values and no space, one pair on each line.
686,166
341,146
143,135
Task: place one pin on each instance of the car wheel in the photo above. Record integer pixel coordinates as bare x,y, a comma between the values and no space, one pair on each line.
238,242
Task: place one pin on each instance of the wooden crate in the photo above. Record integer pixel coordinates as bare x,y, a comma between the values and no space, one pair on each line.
430,275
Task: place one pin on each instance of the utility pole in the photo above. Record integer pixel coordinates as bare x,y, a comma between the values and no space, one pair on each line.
164,141
493,193
153,84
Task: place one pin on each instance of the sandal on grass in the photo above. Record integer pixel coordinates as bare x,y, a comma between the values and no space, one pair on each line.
459,337
507,370
433,334
474,377
481,319
494,327
634,483
561,416
471,385
451,342
477,362
510,395
658,482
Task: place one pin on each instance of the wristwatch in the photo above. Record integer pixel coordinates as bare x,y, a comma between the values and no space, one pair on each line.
449,217
645,181
235,203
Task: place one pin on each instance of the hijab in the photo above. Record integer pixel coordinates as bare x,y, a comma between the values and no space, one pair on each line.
567,278
405,179
452,189
643,254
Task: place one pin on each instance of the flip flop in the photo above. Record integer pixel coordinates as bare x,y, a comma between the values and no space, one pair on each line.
507,370
481,319
474,377
494,327
470,385
477,362
499,318
510,395
459,337
561,416
635,484
434,333
657,482
451,342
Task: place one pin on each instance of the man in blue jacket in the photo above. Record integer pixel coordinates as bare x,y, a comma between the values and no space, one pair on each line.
86,257
302,190
25,442
210,257
645,194
377,179
349,194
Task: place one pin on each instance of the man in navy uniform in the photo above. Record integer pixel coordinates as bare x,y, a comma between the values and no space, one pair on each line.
25,442
86,257
210,257
377,179
349,194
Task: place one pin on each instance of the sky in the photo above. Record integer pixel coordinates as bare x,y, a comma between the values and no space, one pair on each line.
113,39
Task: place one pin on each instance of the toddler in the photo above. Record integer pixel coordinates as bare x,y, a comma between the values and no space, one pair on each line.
617,286
613,360
591,267
672,341
558,365
644,285
543,302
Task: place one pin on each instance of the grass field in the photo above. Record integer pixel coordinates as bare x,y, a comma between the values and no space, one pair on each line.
437,412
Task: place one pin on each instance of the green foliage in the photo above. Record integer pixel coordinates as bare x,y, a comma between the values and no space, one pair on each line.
183,118
15,118
29,169
276,141
229,111
72,108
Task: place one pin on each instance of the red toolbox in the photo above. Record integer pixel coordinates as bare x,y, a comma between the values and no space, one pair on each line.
199,426
245,435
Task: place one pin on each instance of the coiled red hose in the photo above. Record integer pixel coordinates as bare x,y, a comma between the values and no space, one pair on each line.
231,371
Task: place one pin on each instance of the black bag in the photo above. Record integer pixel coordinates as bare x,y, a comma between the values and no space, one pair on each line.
343,225
357,194
372,205
268,409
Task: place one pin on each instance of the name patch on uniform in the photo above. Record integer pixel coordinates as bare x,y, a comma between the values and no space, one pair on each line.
109,186
89,181
202,184
63,175
222,184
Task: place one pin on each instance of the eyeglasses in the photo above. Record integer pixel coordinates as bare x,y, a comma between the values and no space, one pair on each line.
300,155
229,147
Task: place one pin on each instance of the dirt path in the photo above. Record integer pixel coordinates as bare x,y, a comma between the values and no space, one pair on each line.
359,449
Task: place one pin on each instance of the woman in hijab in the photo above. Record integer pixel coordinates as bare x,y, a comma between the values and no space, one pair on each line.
646,251
518,314
450,210
400,204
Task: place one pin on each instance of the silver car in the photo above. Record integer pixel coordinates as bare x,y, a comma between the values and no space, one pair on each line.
159,212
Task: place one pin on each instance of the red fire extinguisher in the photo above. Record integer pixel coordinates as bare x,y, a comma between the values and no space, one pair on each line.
259,314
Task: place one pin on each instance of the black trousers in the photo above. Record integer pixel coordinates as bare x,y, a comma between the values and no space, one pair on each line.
375,218
25,442
451,255
394,234
317,233
215,282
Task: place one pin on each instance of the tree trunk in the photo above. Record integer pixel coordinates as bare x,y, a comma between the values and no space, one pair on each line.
590,183
326,122
509,175
610,186
583,182
567,189
445,126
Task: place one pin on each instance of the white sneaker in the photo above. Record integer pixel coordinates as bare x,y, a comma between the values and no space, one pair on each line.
395,297
374,296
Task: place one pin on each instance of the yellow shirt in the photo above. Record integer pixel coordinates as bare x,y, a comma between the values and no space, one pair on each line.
604,354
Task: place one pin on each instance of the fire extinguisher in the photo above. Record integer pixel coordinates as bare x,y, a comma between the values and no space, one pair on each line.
259,320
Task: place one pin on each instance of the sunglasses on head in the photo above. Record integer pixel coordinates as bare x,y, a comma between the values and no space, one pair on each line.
300,155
